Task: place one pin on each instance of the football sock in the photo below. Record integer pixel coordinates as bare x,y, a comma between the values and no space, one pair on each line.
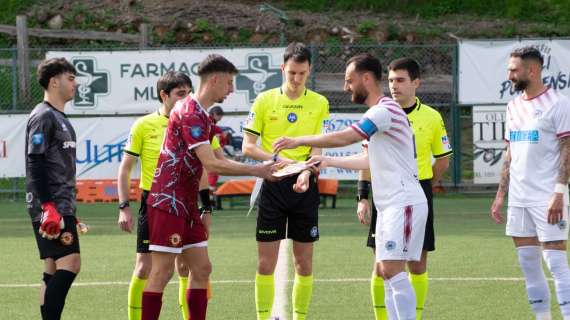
151,305
197,303
420,284
302,293
264,291
56,292
210,292
377,292
182,303
389,300
46,278
544,316
403,295
536,285
557,263
136,288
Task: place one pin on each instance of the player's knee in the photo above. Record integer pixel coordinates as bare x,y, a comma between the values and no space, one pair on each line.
417,267
202,272
265,266
182,269
303,268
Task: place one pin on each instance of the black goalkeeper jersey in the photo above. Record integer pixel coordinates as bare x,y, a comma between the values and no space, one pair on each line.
50,161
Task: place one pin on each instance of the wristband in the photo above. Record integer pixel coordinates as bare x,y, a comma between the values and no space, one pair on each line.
363,189
561,188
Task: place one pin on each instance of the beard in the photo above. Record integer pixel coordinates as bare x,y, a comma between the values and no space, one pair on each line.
359,96
520,85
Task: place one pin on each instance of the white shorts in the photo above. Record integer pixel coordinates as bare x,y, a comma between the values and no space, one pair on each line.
533,222
400,232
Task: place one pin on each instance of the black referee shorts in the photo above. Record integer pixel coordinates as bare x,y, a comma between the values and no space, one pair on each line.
142,226
67,243
429,237
284,213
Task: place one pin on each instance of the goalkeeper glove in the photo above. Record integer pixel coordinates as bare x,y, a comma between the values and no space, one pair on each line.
51,221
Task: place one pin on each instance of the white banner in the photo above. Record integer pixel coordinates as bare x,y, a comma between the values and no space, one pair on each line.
488,143
124,82
339,121
483,75
100,143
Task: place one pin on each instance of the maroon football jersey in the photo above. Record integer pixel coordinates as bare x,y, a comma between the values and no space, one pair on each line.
176,178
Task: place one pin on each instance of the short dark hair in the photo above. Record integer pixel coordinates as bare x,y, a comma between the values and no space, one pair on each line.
365,62
216,110
298,52
528,53
216,63
172,80
52,68
408,64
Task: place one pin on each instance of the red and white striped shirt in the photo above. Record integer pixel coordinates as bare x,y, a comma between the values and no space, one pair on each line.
533,129
392,155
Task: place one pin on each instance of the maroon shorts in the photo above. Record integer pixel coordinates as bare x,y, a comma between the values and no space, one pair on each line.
171,233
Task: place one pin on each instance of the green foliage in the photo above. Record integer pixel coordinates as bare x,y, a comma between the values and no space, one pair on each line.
365,26
9,9
244,34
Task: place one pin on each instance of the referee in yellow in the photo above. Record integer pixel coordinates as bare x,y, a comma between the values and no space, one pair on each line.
431,143
287,208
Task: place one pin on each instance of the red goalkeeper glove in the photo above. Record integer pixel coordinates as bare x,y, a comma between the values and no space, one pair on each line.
51,222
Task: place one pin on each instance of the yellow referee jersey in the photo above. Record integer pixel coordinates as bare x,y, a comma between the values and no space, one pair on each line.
431,137
274,115
145,140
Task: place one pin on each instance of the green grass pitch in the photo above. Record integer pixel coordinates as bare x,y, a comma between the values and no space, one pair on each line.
474,270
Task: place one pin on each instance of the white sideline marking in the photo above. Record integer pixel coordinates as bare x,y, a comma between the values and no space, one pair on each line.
126,283
279,310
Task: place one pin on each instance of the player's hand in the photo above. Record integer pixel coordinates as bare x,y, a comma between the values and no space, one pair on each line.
81,227
555,208
318,161
266,169
363,211
303,180
285,143
496,209
51,221
125,220
206,217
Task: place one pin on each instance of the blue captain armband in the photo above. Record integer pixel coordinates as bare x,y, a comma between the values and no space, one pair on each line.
367,126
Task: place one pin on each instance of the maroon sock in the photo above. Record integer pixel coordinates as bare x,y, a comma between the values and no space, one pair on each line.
151,304
197,303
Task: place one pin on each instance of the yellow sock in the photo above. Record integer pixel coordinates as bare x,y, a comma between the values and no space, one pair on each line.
182,303
420,283
377,292
264,291
302,293
209,293
136,288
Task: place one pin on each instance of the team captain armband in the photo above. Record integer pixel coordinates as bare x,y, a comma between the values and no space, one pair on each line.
365,127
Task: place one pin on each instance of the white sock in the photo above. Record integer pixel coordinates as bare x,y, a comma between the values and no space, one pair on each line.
404,296
389,301
557,263
536,285
544,316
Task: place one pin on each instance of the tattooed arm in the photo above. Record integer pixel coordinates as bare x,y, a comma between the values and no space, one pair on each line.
556,204
503,188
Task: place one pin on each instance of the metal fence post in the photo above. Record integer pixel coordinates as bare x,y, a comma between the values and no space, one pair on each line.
14,79
23,56
314,61
456,118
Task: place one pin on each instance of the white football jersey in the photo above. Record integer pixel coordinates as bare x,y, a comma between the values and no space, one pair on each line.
392,155
533,129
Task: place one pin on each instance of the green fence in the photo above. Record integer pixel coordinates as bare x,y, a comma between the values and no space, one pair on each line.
438,88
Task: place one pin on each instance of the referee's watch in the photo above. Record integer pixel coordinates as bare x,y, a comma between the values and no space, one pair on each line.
124,204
